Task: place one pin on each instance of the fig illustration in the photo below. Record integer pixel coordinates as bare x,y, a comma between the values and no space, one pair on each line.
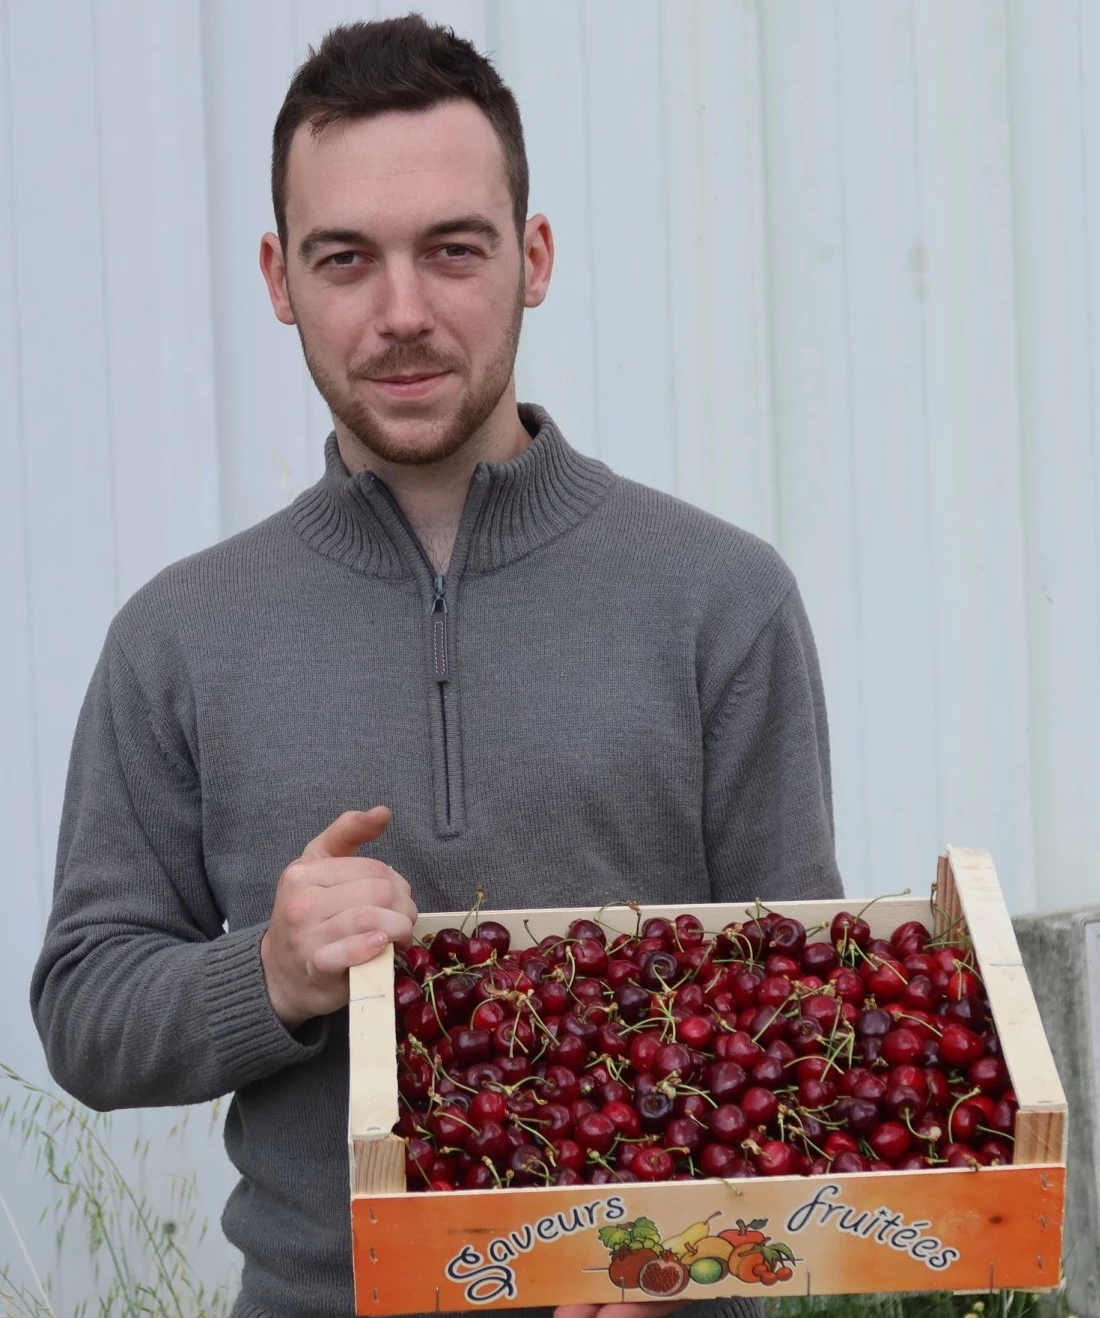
663,1277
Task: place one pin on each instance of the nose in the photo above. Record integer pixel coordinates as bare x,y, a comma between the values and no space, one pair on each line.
405,312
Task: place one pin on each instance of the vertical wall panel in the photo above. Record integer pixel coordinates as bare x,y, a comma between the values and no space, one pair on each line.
156,286
624,87
265,411
884,288
24,798
1052,136
978,545
718,321
808,267
557,364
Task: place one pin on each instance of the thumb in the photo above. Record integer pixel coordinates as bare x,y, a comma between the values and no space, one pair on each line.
347,833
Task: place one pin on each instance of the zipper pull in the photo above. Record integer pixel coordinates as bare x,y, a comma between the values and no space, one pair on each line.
440,658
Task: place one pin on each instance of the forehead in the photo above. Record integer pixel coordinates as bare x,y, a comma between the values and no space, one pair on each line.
397,169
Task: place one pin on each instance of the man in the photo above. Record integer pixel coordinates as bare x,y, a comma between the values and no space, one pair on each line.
566,687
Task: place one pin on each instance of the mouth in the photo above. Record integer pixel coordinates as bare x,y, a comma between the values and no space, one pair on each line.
411,386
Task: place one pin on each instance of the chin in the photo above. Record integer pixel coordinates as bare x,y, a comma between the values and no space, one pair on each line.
414,444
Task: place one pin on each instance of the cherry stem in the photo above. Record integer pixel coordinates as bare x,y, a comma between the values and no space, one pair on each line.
479,897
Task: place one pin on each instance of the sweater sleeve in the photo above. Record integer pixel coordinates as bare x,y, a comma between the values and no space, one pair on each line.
140,996
768,822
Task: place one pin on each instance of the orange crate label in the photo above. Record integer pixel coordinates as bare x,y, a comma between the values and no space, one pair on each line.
934,1230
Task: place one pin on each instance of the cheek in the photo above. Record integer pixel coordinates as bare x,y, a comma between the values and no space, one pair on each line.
335,327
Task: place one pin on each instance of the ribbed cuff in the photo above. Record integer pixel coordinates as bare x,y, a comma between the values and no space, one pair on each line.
251,1041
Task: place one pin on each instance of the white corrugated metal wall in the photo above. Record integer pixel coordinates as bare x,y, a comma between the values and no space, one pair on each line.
830,269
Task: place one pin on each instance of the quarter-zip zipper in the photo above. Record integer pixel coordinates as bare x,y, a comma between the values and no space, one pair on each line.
441,665
450,809
441,660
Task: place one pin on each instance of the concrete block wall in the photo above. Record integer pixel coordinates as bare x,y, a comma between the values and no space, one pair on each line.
1061,951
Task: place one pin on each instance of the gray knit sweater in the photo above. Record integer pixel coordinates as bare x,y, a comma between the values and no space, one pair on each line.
623,701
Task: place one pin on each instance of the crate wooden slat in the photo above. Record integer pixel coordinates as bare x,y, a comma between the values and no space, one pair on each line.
1041,1120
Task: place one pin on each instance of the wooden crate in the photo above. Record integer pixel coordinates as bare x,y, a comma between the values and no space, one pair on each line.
937,1229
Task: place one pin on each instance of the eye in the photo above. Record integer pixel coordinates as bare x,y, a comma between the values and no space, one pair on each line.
455,250
342,259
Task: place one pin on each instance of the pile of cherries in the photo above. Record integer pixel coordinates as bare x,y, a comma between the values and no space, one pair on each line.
674,1053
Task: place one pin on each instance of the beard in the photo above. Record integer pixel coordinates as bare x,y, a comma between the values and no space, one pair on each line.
438,439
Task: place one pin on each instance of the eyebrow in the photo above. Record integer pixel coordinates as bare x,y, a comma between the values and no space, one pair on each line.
320,237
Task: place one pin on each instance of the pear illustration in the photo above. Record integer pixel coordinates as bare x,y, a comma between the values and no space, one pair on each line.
686,1242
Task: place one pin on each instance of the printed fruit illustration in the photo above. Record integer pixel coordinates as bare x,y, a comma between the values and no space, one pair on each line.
707,1270
632,1245
710,1247
745,1235
754,1257
687,1241
627,1269
663,1277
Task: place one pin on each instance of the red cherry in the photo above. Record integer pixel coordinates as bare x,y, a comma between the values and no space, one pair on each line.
488,1105
582,928
595,1131
739,1047
989,1074
963,1122
568,1153
848,1161
685,1133
653,1164
885,978
725,1081
963,984
624,1118
759,1105
960,1046
448,947
775,1158
672,1059
890,1141
847,930
689,931
744,985
901,1046
496,935
816,1093
418,961
721,1160
695,1031
728,1124
660,928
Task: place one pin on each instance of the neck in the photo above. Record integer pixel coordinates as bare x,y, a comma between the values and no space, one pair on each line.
432,494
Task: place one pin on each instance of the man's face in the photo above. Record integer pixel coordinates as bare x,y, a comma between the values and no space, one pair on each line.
405,276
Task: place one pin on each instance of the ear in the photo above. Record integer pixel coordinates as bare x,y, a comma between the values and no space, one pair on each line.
538,259
273,265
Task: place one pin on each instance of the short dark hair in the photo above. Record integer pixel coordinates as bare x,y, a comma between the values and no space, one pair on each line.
364,69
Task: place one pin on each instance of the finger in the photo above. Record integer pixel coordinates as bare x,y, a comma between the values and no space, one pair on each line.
357,951
347,882
347,833
336,871
336,955
576,1311
396,915
655,1309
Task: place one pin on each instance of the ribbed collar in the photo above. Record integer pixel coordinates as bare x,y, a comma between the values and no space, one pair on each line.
511,508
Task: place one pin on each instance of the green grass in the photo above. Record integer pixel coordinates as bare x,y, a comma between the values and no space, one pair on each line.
931,1304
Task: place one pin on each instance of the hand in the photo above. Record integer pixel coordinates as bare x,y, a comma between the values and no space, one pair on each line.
333,909
649,1309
